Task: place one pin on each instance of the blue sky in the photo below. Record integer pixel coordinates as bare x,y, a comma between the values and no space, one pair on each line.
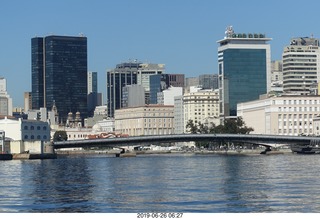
181,34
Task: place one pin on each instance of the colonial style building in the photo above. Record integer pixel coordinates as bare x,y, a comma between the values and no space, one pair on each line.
145,120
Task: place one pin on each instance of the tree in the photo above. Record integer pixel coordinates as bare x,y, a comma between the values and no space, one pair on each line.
229,126
192,127
60,136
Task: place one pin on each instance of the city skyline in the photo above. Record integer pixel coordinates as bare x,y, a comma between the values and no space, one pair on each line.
182,35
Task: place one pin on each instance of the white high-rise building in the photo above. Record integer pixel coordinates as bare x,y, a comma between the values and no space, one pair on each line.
301,65
5,100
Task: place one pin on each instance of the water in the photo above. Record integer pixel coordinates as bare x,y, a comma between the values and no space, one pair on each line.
162,183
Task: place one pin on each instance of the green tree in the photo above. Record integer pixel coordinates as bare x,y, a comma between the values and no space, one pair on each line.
192,127
60,136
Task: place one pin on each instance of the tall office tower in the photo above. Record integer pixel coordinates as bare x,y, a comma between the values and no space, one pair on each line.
92,82
124,74
143,76
5,99
244,69
94,98
59,74
301,65
208,81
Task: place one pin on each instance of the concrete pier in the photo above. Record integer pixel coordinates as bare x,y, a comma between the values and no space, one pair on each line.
33,156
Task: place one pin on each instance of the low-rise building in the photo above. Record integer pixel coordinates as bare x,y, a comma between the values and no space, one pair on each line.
26,135
145,120
281,115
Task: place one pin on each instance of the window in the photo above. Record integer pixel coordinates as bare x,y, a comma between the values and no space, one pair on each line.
32,127
32,136
38,128
26,137
44,128
25,127
38,137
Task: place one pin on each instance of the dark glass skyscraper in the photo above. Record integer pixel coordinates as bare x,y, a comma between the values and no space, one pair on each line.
124,74
59,74
244,69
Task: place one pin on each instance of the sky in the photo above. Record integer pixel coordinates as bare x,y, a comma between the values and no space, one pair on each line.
182,34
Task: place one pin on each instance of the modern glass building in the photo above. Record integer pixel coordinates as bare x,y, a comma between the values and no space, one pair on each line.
244,69
59,74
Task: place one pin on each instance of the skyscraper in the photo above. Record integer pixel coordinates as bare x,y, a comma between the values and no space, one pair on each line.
244,69
301,65
124,74
92,82
94,98
59,74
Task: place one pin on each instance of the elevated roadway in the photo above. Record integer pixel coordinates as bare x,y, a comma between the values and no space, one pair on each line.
151,139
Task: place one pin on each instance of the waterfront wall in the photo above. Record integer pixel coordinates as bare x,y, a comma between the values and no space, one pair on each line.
33,147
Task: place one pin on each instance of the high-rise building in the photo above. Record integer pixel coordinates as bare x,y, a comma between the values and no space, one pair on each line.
208,81
133,96
161,82
59,74
94,98
244,69
5,99
166,97
301,60
27,101
124,74
201,106
92,82
143,76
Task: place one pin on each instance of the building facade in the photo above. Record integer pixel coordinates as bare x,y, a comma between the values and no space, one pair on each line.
5,99
133,95
178,121
59,73
25,130
27,101
124,74
301,65
244,69
143,77
166,97
145,120
281,115
208,81
201,106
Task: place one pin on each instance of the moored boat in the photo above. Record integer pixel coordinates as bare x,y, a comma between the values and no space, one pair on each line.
306,149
